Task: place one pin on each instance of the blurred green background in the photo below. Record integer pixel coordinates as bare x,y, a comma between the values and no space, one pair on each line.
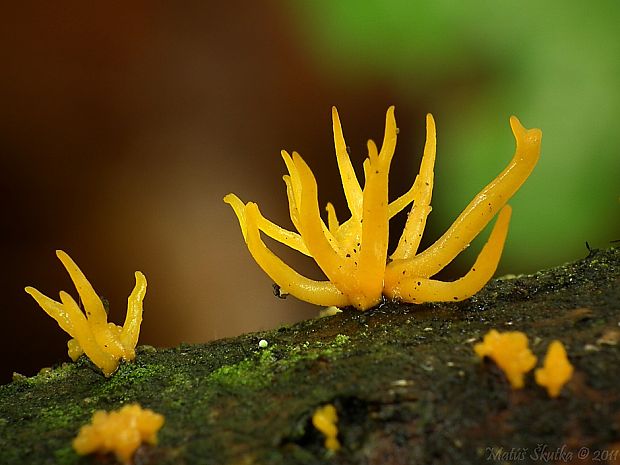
556,65
123,126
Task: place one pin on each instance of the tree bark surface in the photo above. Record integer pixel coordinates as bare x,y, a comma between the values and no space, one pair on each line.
404,379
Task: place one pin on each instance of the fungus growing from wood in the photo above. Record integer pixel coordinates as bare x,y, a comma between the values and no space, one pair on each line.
353,254
104,343
120,431
325,419
556,370
510,352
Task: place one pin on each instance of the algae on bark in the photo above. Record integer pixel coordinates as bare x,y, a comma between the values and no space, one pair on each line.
404,378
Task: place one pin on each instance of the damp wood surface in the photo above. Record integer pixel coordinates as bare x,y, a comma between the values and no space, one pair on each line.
404,379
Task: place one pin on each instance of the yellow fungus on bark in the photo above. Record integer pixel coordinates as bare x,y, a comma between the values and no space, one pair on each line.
325,419
103,342
510,352
353,254
120,432
556,370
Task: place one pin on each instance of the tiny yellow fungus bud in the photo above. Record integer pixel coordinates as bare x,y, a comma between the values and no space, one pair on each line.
75,349
510,352
325,420
104,343
263,343
556,370
120,431
354,254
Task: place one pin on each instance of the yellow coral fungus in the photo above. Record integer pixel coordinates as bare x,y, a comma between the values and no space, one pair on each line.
510,352
104,343
120,431
325,419
556,370
353,255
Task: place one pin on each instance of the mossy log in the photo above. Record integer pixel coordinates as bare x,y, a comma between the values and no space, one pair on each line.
404,379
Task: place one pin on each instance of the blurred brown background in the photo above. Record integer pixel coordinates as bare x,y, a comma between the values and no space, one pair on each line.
122,126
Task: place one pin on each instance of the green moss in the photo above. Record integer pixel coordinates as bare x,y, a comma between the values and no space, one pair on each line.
59,417
47,375
399,374
257,371
65,455
246,373
129,375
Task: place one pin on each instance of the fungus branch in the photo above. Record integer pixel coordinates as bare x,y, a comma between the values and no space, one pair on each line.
353,254
104,343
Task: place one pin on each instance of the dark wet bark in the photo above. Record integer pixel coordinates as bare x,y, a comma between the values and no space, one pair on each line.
404,379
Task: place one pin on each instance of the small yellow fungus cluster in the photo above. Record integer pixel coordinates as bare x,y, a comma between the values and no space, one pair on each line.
353,254
120,431
104,343
510,352
325,420
556,370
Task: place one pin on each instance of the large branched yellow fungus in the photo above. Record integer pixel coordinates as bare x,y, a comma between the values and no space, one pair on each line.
354,254
325,419
510,352
556,370
120,431
104,343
